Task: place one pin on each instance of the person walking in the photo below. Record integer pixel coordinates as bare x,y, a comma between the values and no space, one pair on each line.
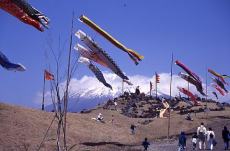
182,142
201,133
115,105
145,144
225,136
137,91
132,128
194,141
210,138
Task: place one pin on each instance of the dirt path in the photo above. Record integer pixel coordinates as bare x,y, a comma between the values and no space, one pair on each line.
164,146
173,146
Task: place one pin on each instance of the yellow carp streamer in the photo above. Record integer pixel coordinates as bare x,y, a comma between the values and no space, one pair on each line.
132,54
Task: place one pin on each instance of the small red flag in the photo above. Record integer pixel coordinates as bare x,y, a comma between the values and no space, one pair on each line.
48,75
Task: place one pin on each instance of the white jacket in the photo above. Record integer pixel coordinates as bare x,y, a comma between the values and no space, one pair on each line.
208,134
201,129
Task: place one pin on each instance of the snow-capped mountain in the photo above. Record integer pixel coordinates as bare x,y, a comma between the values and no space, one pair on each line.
87,92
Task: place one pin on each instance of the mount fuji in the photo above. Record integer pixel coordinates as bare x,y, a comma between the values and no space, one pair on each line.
88,92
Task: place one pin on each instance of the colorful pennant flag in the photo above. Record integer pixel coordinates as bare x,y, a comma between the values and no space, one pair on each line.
157,78
48,75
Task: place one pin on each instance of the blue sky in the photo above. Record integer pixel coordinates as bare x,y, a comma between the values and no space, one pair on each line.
196,31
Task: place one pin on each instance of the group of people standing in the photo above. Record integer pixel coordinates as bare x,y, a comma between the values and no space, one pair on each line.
203,137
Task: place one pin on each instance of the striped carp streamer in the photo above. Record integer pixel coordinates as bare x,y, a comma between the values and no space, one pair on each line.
95,70
128,82
5,63
191,80
97,54
221,91
220,84
22,10
217,75
188,93
214,93
132,54
225,76
186,69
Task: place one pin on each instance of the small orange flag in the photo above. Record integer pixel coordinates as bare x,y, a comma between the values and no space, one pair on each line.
157,78
48,75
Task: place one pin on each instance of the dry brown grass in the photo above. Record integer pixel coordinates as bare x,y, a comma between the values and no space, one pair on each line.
23,129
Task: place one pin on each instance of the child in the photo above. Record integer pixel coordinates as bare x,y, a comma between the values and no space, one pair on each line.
194,141
145,144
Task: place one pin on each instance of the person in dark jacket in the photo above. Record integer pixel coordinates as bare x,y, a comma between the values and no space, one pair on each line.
137,91
145,144
225,136
132,128
182,142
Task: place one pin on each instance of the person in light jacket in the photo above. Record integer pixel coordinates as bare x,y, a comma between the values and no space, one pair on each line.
210,138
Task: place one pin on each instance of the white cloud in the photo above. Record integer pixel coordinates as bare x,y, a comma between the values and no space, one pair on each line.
39,96
89,86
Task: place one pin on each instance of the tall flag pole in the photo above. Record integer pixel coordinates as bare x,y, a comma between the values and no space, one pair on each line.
188,90
46,76
151,87
206,76
206,80
122,86
170,94
157,81
43,94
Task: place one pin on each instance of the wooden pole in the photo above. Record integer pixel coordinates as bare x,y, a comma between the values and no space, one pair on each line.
122,86
43,93
206,89
170,92
206,76
66,95
150,89
188,90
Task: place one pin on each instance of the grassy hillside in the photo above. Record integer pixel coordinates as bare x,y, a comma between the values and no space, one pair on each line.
23,129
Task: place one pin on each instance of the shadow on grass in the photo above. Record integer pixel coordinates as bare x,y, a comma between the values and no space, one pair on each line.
104,143
223,117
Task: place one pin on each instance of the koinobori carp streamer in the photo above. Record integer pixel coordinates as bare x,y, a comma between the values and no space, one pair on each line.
186,69
221,91
22,10
5,63
97,54
217,75
188,93
194,82
132,54
99,75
